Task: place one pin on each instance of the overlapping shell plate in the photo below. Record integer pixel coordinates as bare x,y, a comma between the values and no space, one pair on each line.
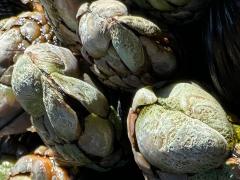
62,17
38,166
20,31
130,51
17,33
181,129
71,116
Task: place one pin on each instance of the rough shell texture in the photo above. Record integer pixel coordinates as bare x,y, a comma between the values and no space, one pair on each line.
185,131
124,51
49,58
90,97
65,109
16,34
19,32
37,166
62,117
92,26
26,77
66,121
26,86
61,15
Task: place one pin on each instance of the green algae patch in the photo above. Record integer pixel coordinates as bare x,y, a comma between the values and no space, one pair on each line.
6,163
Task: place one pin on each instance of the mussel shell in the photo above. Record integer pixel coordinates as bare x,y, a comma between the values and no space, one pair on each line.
175,12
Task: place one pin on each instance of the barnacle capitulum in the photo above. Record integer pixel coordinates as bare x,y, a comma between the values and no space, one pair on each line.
71,116
16,34
180,129
129,52
38,166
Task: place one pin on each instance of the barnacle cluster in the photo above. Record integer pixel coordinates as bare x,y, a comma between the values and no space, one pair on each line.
89,83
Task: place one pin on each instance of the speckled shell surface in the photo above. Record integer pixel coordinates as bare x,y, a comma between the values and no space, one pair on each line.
186,131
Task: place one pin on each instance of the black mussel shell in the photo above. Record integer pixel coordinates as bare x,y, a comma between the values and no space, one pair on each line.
223,50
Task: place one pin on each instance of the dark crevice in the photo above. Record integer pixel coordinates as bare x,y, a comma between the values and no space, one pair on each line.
10,8
80,110
7,122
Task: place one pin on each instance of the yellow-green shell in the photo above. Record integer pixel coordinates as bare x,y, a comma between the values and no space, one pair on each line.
185,131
